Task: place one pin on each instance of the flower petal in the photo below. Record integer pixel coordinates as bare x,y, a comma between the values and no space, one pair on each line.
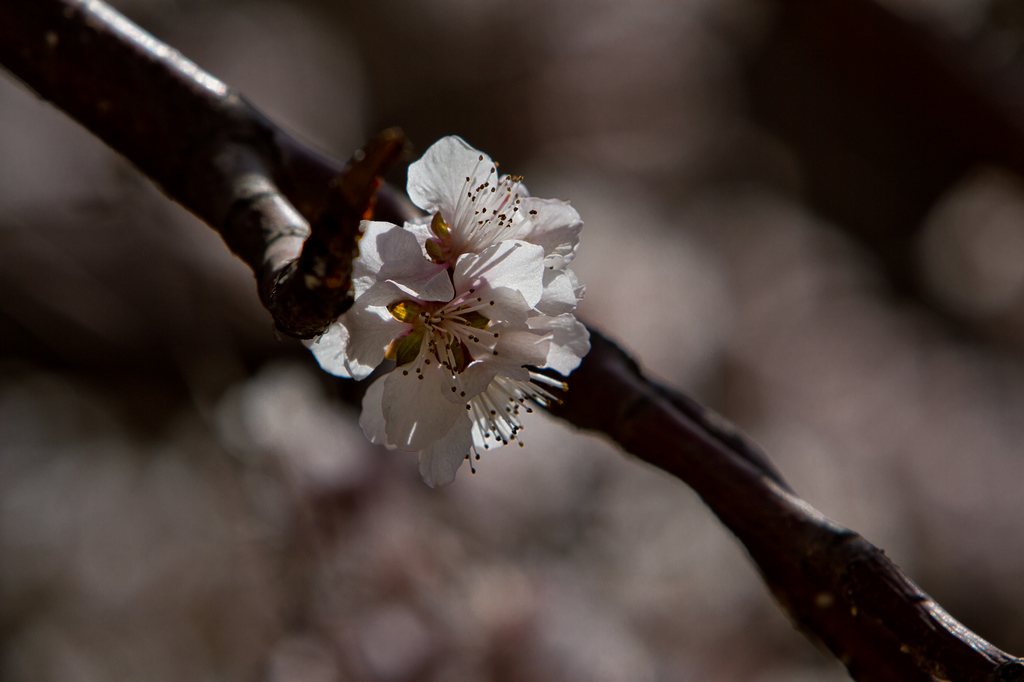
515,348
438,180
416,410
509,307
570,341
355,343
423,280
330,349
391,253
372,418
562,292
375,246
513,264
440,461
371,330
421,231
555,225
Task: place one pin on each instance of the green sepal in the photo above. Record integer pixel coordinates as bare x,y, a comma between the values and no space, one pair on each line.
404,350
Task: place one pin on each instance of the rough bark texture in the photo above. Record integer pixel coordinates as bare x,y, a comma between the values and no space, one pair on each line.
211,151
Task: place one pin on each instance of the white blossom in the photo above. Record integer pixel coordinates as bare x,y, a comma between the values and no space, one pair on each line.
468,308
470,206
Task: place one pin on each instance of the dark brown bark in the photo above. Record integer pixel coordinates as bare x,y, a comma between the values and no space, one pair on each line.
260,189
208,149
836,586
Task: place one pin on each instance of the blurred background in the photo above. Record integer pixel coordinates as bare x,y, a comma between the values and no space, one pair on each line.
808,215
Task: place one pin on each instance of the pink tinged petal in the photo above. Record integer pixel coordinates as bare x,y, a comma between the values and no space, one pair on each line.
512,264
570,341
561,292
437,182
372,418
416,410
556,226
441,460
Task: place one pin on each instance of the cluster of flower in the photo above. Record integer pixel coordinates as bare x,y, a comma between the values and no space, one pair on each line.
467,304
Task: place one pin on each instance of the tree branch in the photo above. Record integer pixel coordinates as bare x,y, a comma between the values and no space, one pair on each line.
836,586
261,189
208,149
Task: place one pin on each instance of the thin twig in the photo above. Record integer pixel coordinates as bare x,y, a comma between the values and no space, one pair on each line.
260,188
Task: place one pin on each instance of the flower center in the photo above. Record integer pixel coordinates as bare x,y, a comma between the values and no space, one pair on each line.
483,212
453,333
